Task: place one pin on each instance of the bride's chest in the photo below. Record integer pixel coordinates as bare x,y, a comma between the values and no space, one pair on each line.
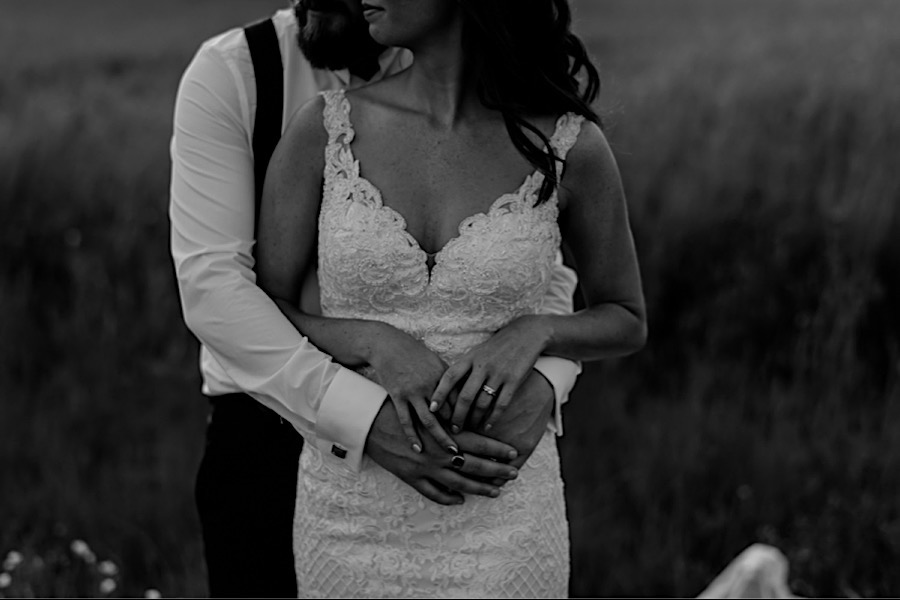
503,255
439,184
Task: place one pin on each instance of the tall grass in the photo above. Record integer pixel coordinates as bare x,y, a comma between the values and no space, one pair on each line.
760,162
758,143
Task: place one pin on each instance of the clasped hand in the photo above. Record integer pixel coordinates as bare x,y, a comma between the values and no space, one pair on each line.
423,394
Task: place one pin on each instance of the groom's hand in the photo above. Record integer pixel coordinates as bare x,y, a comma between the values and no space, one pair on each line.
524,421
431,472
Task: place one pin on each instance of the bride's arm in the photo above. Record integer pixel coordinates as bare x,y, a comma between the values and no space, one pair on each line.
286,241
595,228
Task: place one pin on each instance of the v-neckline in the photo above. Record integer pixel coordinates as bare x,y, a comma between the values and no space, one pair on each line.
398,218
532,179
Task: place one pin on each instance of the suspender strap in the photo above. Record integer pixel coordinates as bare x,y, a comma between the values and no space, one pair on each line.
266,56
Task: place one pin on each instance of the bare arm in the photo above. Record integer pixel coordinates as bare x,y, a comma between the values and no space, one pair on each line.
595,228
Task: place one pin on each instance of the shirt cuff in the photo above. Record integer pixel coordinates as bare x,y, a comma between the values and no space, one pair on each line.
345,417
562,374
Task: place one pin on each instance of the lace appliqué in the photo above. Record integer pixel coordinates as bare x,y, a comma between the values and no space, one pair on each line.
371,535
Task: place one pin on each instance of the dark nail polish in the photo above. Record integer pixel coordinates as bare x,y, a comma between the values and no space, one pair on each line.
453,449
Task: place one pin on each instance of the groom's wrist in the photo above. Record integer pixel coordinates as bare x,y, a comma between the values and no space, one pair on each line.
561,374
549,392
345,417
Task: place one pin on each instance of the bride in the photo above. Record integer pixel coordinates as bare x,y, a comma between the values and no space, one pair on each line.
439,198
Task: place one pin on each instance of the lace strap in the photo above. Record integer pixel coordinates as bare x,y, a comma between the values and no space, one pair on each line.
564,137
336,117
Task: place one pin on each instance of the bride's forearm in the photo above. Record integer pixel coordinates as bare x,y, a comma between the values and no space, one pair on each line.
350,342
603,331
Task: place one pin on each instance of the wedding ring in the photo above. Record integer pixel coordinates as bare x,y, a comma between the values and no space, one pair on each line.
458,461
488,390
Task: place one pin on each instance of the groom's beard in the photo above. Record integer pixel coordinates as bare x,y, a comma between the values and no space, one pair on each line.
334,37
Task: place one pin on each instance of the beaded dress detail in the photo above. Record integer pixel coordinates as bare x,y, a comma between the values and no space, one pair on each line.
370,534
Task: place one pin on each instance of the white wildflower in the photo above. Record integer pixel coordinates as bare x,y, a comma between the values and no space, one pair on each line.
5,580
83,551
107,586
13,559
151,593
108,568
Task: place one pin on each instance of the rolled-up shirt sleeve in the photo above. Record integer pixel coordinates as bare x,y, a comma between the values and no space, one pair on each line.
560,372
212,213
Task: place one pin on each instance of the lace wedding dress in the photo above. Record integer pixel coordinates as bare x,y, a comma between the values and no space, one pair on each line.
371,535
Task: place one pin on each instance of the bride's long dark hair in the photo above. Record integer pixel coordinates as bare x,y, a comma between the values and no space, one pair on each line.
526,61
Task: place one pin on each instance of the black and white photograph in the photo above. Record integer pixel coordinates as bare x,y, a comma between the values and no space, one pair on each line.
450,298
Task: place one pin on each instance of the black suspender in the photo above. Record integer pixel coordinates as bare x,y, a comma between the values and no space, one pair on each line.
266,57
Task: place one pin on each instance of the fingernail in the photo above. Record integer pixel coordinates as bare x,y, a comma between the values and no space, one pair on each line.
460,501
453,449
488,427
513,454
513,474
433,407
455,429
417,448
495,493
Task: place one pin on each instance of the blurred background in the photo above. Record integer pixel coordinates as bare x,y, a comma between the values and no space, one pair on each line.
759,141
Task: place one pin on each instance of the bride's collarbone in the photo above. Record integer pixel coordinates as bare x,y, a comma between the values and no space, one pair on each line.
435,179
408,170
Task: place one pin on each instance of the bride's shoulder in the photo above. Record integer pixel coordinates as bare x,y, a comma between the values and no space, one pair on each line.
302,143
590,148
591,172
306,129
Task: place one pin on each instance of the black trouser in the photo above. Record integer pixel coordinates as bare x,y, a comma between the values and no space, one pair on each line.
245,494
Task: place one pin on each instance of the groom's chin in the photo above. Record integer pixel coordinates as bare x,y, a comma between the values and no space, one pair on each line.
325,38
325,23
323,49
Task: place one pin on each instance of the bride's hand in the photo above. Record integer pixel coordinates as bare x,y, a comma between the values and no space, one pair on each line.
409,371
498,365
433,473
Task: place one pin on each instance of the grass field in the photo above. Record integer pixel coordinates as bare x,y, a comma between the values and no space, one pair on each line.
759,143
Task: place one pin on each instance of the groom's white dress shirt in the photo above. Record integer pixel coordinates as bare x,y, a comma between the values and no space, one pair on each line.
247,344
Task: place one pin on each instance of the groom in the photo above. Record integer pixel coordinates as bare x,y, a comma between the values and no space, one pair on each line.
265,381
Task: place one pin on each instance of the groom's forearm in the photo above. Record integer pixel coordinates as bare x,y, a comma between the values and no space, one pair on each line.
561,373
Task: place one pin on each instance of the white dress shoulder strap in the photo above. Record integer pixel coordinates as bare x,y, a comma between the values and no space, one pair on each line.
336,117
339,161
568,126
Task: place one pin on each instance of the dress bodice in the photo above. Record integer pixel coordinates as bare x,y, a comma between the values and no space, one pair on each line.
495,269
